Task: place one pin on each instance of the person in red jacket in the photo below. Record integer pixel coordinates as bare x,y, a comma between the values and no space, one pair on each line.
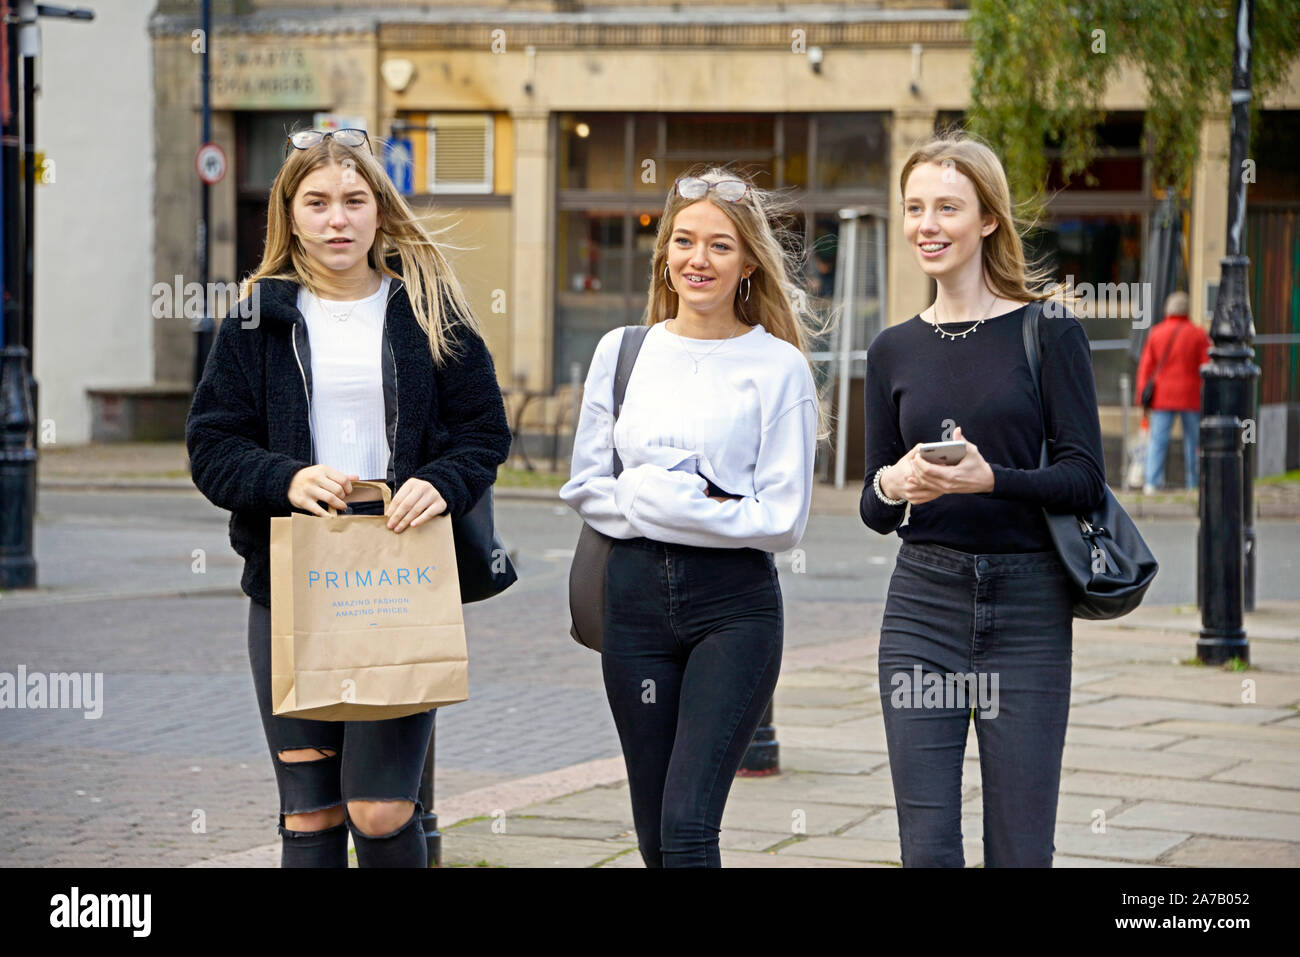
1172,360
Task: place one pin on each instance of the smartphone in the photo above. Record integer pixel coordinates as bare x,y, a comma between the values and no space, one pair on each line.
943,453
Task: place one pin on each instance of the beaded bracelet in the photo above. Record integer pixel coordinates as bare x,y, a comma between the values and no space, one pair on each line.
875,483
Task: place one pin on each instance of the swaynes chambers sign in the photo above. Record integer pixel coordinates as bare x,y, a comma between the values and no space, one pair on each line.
281,76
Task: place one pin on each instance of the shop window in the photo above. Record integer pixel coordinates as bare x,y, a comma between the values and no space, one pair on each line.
852,151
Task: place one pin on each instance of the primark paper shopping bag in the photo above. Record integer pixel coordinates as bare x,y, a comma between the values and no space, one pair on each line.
365,624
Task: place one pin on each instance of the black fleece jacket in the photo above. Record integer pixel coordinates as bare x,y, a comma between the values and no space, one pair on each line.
248,430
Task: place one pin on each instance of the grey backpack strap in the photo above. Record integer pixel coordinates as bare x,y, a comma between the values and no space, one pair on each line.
628,350
1034,352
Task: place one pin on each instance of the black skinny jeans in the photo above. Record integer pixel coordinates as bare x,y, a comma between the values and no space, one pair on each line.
1006,620
371,761
692,651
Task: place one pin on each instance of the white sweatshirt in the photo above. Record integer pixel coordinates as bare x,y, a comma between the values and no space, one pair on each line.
347,394
746,421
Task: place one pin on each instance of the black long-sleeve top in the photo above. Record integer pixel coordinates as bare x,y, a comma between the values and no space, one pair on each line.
919,386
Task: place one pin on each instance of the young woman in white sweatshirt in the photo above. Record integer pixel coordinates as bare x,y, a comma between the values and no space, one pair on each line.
716,437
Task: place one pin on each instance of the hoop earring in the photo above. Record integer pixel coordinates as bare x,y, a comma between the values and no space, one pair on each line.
667,281
748,284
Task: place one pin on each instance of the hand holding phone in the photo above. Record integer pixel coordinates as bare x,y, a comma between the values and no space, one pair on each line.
943,453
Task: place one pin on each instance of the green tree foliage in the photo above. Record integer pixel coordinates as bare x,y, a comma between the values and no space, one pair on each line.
1040,69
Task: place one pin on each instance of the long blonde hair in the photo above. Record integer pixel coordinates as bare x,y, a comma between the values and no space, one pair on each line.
426,272
776,298
1003,250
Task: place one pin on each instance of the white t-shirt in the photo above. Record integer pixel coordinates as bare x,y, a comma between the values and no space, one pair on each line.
746,421
347,386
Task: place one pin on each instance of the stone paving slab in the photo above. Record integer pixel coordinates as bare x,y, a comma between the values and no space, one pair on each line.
1213,793
1268,825
1271,620
793,787
473,847
1083,757
778,859
1116,843
820,716
1222,852
801,817
1211,686
1070,808
1232,731
1119,738
737,839
749,859
788,695
1129,712
834,739
1266,773
858,849
831,761
1068,860
1256,750
511,825
610,802
821,678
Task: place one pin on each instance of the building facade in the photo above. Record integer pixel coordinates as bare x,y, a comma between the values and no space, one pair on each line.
546,134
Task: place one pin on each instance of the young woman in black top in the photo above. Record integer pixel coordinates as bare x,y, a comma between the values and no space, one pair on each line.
361,359
978,612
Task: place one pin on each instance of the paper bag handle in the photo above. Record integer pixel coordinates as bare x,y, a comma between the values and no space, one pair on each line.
381,487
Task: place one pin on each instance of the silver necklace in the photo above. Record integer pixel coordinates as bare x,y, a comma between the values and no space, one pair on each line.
960,335
342,316
695,360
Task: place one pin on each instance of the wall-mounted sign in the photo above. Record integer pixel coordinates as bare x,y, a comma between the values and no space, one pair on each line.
253,76
210,161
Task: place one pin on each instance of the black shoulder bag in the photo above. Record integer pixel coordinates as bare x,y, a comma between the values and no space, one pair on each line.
1109,564
587,573
482,564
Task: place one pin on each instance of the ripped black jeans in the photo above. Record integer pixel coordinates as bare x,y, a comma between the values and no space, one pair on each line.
371,761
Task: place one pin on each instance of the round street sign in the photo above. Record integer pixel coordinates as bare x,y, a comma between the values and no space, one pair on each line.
210,161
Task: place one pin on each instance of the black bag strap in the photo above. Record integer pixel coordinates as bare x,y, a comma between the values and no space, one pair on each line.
1034,353
1168,349
628,350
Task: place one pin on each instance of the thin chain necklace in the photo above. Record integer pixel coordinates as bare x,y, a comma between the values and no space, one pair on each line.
960,335
344,316
697,361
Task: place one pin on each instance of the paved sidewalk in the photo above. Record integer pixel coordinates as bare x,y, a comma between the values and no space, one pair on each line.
1167,764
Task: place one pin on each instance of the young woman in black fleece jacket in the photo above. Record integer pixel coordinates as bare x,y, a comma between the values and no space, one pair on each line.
979,602
339,233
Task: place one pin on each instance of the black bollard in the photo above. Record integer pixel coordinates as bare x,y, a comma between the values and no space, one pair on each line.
1248,467
429,819
763,756
1220,569
17,473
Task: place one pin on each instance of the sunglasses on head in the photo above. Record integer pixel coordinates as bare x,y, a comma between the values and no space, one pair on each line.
692,187
306,139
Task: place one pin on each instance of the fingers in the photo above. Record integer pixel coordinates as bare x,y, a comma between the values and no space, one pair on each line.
415,503
340,479
431,512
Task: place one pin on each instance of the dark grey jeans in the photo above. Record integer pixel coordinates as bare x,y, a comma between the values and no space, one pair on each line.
692,651
989,635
